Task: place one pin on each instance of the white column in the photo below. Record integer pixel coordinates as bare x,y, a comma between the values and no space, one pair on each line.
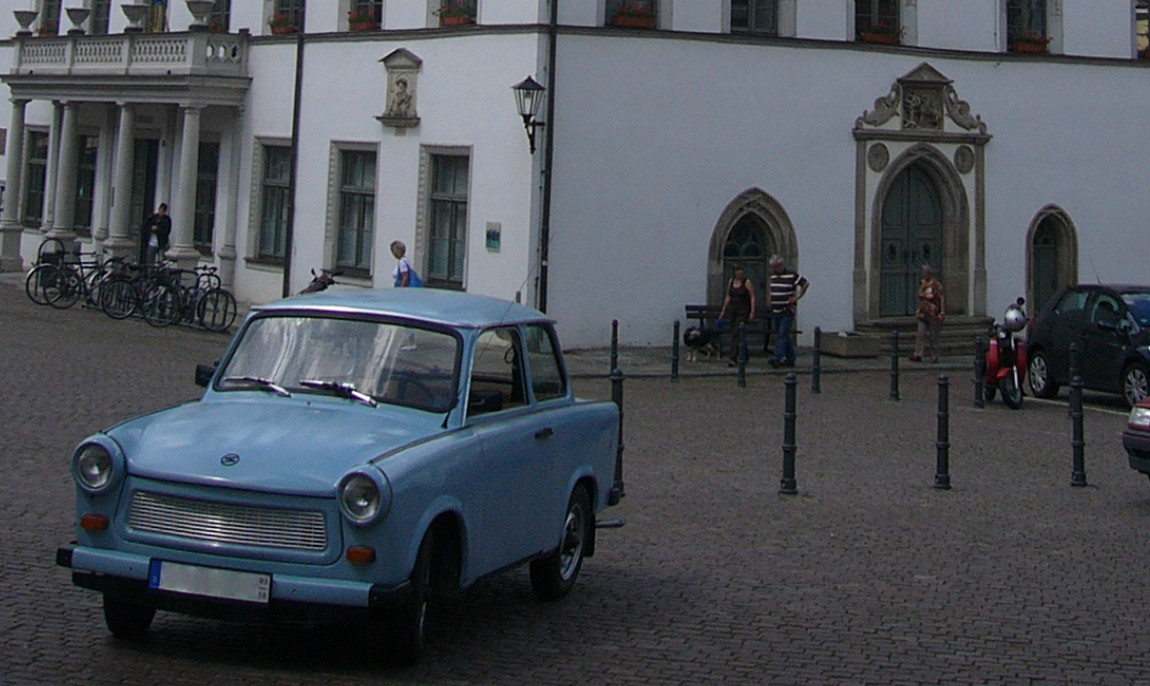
65,198
10,227
122,241
183,214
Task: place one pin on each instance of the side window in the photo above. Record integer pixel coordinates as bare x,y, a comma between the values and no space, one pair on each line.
546,375
1072,303
1105,309
496,373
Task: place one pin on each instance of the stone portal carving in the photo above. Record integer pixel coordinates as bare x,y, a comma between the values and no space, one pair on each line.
402,81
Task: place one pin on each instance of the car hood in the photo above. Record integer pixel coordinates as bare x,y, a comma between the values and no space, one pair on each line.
287,445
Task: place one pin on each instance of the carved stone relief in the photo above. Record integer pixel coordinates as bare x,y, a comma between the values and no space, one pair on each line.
402,81
877,157
922,99
964,159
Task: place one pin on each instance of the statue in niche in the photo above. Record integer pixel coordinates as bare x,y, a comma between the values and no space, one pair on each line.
402,80
401,103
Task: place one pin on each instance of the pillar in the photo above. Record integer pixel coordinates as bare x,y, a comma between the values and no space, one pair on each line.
65,197
122,240
182,249
11,229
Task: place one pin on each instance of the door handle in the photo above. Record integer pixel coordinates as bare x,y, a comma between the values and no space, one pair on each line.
545,433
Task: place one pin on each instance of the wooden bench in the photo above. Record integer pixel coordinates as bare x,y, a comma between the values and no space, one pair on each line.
760,326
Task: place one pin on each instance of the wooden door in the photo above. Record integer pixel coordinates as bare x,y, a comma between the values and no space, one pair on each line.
911,237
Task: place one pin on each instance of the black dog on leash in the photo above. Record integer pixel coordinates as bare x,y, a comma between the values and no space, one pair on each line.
702,340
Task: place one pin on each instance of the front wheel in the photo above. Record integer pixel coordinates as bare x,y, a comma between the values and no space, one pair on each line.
216,310
406,622
553,576
1011,393
1041,385
126,620
1135,384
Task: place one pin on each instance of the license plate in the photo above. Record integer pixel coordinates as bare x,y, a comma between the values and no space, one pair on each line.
206,581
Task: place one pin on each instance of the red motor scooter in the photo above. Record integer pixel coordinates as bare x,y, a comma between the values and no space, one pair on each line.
1006,357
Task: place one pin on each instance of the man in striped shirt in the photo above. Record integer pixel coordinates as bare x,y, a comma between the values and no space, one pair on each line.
786,289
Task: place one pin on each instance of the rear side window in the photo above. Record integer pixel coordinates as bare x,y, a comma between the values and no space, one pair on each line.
546,374
1071,303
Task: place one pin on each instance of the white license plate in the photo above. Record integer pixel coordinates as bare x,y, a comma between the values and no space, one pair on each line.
206,581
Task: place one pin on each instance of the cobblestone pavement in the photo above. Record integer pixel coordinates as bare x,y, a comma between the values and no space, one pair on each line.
867,576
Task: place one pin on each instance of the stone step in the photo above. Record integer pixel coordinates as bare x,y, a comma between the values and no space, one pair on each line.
956,337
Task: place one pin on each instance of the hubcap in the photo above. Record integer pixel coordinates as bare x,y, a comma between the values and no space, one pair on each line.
1136,385
572,545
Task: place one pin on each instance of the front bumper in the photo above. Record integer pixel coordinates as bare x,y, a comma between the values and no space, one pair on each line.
1137,445
125,576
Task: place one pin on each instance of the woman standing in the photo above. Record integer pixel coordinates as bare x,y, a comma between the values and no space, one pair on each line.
738,307
931,312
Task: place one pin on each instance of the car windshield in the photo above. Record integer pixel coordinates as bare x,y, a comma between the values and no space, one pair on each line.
364,360
1139,304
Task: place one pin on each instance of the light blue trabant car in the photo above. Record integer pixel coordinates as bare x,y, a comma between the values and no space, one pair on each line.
355,451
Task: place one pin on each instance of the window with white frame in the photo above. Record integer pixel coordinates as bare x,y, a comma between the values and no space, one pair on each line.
205,213
368,12
755,16
274,202
85,184
356,230
447,207
49,18
641,14
290,11
878,21
98,22
220,18
1142,28
36,176
1026,29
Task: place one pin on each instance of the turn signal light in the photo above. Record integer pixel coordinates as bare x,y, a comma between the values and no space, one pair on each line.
360,555
94,522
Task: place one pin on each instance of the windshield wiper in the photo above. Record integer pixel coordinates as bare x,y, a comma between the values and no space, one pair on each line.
340,388
264,384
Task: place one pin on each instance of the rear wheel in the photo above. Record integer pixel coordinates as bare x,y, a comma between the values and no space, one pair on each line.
1038,371
40,281
216,310
127,620
119,298
161,305
1135,383
1011,393
553,576
69,287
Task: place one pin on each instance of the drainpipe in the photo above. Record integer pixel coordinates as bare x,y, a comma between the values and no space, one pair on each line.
548,156
289,229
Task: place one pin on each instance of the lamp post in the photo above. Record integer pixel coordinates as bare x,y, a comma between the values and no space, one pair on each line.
528,98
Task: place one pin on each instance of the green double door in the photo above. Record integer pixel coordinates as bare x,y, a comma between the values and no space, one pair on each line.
911,237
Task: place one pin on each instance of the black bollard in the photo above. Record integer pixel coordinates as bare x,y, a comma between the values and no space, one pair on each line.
617,398
942,471
894,365
788,486
1071,372
675,353
742,355
979,371
816,361
1077,442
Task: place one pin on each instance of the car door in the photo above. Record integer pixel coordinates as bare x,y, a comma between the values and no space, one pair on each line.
1103,343
510,431
1060,327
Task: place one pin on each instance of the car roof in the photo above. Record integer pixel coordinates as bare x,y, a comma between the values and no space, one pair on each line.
1120,287
431,305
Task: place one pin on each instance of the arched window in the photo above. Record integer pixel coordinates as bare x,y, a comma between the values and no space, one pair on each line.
748,245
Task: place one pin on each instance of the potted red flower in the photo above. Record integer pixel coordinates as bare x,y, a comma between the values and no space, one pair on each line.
282,23
1029,43
454,14
881,33
635,15
361,20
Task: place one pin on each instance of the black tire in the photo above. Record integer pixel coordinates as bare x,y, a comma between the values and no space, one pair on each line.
216,310
1135,383
1011,393
406,622
989,392
1038,373
553,576
119,299
39,281
126,620
161,305
69,287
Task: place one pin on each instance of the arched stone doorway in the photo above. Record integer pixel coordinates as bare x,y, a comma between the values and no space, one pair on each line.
1051,256
751,229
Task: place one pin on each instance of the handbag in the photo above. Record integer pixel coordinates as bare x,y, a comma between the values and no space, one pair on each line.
413,280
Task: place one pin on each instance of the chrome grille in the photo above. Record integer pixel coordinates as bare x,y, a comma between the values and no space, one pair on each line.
237,524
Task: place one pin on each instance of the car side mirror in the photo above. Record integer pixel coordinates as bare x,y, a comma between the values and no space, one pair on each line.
204,374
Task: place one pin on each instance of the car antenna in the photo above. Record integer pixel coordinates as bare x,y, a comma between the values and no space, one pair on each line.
1096,278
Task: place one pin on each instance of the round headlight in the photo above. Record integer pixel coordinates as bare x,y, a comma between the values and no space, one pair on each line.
360,498
93,467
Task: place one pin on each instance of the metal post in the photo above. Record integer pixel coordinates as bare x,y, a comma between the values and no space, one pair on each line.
816,361
979,371
894,365
1071,373
1077,442
741,354
788,486
675,353
942,472
617,398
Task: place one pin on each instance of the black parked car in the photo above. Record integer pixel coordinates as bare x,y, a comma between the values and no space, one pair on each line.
1110,324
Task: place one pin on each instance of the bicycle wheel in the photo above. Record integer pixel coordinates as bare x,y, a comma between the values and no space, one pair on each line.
69,286
119,298
161,306
40,281
216,310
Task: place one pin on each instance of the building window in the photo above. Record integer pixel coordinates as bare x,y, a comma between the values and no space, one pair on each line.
36,177
365,12
1026,26
455,12
220,18
635,14
755,16
1142,27
101,9
49,18
205,218
292,11
878,21
356,211
156,20
448,209
85,184
274,203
